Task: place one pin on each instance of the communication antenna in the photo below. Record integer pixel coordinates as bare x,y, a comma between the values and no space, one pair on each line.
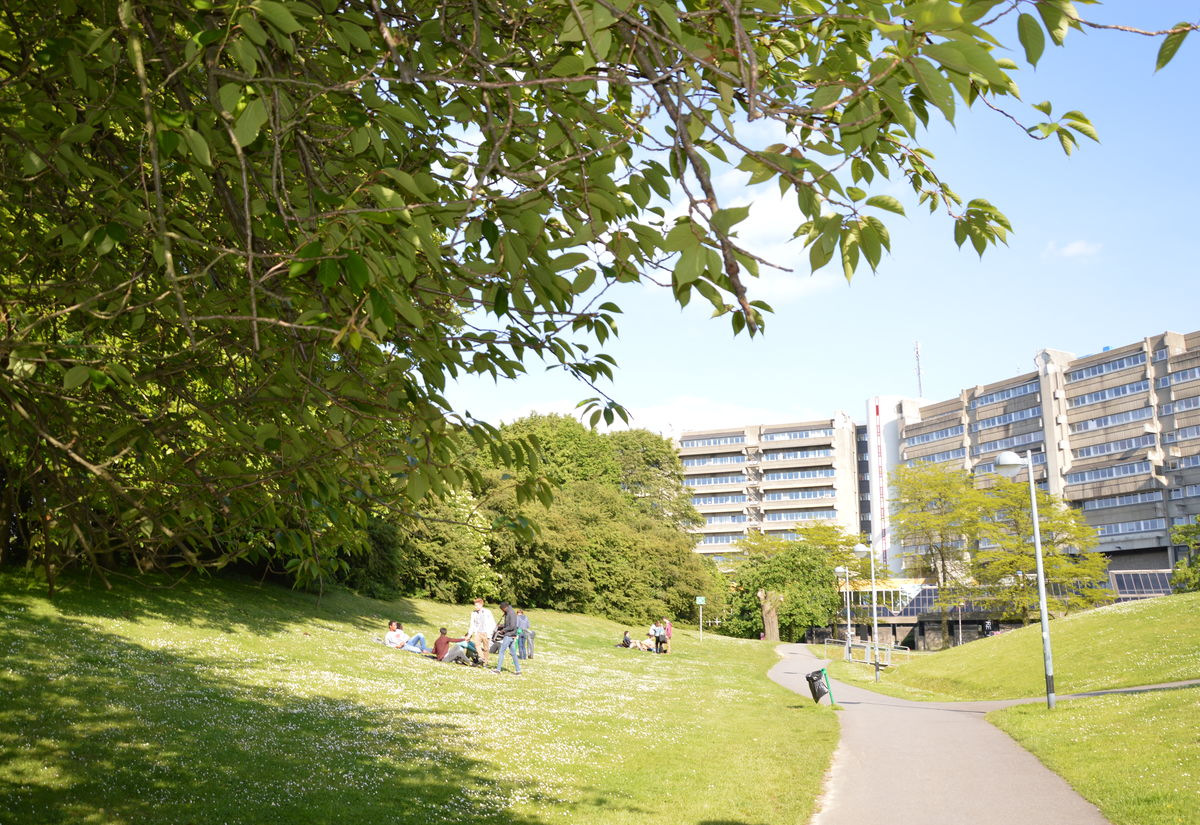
920,383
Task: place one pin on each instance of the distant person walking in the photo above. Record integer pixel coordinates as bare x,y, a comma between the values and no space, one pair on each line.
524,636
508,638
481,628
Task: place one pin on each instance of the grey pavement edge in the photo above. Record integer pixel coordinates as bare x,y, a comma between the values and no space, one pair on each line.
927,763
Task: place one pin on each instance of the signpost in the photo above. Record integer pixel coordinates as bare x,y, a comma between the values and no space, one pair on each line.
700,600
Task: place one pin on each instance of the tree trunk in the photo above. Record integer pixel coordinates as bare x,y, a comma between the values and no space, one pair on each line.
769,603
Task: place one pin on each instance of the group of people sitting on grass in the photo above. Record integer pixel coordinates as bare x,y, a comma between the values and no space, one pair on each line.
658,638
484,636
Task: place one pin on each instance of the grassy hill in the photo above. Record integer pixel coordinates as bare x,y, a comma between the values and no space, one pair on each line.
1135,756
224,702
1122,645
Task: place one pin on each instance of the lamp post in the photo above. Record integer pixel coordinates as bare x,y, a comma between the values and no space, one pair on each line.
859,550
1008,464
842,571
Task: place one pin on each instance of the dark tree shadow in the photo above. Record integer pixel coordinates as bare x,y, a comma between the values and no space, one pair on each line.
96,729
229,602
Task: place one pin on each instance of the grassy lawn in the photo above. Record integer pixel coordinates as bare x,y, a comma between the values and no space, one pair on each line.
223,702
1137,757
1134,643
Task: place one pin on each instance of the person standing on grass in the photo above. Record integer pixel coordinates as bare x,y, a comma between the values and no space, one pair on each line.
524,636
480,630
655,633
508,638
668,629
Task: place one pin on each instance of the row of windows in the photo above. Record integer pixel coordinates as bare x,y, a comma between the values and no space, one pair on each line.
937,435
715,459
1112,392
1190,491
1180,521
716,441
782,475
1178,377
1120,446
801,515
990,466
728,498
1008,443
790,434
1004,395
1122,501
787,454
1116,471
1103,421
722,538
793,495
1007,418
948,455
702,481
1107,367
725,518
1179,405
1123,527
1182,434
1185,462
1161,354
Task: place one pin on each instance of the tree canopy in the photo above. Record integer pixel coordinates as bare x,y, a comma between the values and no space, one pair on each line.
247,244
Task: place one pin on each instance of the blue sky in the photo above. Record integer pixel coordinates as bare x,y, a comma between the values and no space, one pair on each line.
1104,252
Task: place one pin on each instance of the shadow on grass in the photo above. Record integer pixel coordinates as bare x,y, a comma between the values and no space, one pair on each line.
95,729
229,602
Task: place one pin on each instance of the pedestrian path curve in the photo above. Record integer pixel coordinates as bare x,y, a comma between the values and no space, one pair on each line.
929,763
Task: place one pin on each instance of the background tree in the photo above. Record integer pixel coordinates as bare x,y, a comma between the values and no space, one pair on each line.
1004,569
1186,578
784,587
938,515
246,244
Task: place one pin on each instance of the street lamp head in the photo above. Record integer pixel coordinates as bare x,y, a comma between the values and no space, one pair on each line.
1008,464
841,571
861,549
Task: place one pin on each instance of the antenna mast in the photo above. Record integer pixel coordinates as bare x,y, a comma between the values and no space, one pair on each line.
920,386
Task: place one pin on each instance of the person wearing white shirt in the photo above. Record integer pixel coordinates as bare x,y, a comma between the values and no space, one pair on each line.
481,628
396,637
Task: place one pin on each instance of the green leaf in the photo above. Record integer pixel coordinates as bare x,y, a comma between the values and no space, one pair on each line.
886,202
1084,128
935,86
1044,107
1055,18
357,273
855,193
724,219
1171,44
278,15
197,146
76,375
250,121
1031,37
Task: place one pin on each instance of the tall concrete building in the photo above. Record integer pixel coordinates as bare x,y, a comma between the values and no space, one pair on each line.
772,479
1115,433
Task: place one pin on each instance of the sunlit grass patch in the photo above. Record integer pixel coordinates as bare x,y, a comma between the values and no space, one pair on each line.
224,702
1123,645
1136,756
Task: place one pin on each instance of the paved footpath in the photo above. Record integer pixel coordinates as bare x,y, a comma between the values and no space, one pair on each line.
926,763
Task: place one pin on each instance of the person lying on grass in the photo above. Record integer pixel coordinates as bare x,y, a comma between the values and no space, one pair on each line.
396,637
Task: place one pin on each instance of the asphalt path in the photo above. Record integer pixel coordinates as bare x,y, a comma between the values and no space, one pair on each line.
930,763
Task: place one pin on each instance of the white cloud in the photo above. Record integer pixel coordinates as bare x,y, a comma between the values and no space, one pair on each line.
1074,249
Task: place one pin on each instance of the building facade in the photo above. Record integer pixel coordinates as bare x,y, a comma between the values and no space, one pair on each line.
1115,433
772,479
